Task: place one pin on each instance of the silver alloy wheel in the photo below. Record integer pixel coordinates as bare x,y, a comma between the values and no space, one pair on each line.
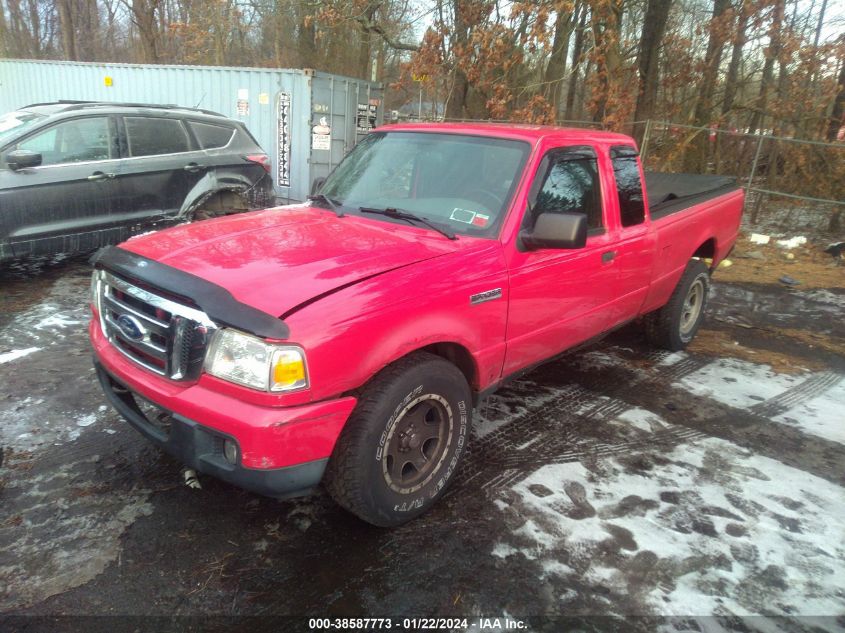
417,443
692,306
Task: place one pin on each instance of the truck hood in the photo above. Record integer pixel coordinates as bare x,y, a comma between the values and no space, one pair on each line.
277,259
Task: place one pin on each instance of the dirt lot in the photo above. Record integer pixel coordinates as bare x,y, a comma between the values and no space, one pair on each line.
619,481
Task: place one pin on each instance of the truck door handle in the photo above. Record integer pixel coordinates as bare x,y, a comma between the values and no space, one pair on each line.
98,175
607,257
193,167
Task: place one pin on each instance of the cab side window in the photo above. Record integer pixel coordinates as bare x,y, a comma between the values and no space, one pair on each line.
72,141
571,185
628,184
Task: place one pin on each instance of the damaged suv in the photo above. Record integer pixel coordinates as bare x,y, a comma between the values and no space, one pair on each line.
75,176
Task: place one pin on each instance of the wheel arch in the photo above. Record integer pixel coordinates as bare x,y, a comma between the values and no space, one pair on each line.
208,187
707,250
459,356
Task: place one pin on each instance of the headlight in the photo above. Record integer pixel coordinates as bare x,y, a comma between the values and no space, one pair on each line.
251,362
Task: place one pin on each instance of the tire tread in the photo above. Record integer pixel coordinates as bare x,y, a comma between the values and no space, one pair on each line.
341,480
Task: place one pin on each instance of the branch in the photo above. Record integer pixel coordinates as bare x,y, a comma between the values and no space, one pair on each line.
372,27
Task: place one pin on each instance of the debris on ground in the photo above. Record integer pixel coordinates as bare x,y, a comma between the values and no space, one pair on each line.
191,479
757,238
836,250
789,281
811,264
792,242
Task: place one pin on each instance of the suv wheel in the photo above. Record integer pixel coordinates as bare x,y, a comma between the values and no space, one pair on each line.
403,443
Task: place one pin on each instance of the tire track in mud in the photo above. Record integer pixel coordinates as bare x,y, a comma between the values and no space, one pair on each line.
564,430
814,386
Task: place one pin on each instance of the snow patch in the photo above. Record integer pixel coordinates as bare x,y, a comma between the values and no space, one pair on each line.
15,354
741,384
86,420
708,528
56,321
821,416
738,383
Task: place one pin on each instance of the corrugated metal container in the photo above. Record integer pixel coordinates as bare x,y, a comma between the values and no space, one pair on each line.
306,121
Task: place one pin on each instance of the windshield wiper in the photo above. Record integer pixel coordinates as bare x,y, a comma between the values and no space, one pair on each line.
332,204
392,212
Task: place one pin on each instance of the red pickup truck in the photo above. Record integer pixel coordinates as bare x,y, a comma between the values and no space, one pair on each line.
346,340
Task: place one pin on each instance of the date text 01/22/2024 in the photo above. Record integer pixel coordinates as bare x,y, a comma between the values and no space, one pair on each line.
417,624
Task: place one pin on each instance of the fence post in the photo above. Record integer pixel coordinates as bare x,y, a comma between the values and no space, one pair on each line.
646,136
751,178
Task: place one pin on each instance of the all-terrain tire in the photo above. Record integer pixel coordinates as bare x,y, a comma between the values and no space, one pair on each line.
397,415
674,326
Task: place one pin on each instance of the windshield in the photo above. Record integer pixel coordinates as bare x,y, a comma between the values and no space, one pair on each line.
13,122
461,182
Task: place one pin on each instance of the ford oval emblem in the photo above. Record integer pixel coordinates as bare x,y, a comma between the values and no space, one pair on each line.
131,327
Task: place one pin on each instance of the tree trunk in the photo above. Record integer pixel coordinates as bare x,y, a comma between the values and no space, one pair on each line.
35,25
144,12
607,22
648,62
836,115
456,106
5,49
365,49
696,158
577,53
740,37
67,29
772,53
555,69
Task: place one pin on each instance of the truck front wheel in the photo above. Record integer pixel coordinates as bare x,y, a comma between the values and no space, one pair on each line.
674,325
403,442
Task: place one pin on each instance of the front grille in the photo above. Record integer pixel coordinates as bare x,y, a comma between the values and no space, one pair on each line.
159,334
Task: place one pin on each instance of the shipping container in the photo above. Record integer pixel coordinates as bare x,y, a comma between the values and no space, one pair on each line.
305,120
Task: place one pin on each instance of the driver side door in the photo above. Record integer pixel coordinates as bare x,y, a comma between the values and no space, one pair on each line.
45,208
561,297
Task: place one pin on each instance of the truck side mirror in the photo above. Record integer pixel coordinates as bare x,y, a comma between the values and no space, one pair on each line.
21,159
317,185
557,230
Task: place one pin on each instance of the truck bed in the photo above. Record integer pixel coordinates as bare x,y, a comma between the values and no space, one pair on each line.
671,193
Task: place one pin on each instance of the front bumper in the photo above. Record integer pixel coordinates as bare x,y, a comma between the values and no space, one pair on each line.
281,450
201,447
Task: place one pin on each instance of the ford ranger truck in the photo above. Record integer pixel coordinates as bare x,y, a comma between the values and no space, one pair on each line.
347,340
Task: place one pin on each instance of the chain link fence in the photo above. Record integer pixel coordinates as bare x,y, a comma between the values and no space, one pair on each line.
790,183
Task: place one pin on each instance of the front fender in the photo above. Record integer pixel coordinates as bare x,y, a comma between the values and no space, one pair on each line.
350,335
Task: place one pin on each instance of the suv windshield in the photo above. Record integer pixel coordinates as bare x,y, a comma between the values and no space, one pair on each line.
459,181
14,122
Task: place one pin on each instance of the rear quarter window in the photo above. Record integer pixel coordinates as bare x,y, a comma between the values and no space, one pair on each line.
148,136
627,173
212,136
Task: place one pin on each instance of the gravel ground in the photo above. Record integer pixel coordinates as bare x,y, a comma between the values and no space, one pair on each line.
617,481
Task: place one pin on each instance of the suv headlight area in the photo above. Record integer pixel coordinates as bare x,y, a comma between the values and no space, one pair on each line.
254,363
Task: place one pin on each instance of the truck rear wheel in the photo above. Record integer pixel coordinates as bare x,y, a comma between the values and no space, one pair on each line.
403,442
674,325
